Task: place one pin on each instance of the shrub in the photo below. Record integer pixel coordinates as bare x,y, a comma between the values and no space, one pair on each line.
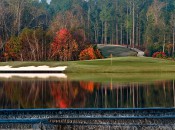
152,48
159,55
87,54
90,53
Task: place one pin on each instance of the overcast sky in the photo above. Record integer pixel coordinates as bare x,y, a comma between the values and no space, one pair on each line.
48,1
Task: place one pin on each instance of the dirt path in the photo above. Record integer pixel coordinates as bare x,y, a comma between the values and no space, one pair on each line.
139,52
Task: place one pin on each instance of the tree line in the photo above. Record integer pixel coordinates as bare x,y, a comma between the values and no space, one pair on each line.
28,27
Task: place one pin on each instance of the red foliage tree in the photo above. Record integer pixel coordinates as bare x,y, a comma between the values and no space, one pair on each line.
64,46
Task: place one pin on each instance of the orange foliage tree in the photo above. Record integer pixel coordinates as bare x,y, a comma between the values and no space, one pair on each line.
64,46
90,53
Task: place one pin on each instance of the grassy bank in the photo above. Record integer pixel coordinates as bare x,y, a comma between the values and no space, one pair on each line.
122,77
114,65
125,78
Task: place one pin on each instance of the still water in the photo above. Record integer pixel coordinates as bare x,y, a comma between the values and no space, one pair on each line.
21,91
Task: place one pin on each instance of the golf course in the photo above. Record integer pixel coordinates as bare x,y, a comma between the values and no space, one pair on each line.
126,63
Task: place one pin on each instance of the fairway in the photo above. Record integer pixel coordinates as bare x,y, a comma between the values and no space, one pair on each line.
109,65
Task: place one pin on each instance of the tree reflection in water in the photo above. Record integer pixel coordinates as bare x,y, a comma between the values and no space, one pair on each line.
84,94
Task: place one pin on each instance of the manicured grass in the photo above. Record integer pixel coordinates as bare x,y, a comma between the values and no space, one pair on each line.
116,51
118,65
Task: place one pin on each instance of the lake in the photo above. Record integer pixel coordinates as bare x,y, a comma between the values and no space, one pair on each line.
87,101
62,91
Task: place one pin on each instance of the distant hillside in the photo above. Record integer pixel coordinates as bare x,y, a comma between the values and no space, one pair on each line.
116,51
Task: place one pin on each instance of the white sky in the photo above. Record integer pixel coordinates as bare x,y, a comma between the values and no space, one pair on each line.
48,1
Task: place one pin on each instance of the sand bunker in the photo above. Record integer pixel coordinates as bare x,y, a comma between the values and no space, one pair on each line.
33,68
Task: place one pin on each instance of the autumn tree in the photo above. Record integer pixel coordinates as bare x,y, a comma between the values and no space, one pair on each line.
90,53
63,46
34,44
76,20
12,49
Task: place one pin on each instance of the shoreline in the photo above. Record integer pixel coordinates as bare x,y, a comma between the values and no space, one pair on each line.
108,65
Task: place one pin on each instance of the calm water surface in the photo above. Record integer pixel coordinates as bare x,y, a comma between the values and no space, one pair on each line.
19,92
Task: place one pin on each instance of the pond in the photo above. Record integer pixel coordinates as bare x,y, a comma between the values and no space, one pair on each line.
87,101
84,91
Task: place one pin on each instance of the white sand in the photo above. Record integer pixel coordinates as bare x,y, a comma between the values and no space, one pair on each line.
34,75
33,68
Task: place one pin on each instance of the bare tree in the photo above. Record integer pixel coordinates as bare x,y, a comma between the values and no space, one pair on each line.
173,31
133,27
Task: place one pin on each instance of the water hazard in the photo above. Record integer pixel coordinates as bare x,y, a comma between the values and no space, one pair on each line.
60,92
110,101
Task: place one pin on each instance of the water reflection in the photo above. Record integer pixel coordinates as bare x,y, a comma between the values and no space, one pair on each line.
63,93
